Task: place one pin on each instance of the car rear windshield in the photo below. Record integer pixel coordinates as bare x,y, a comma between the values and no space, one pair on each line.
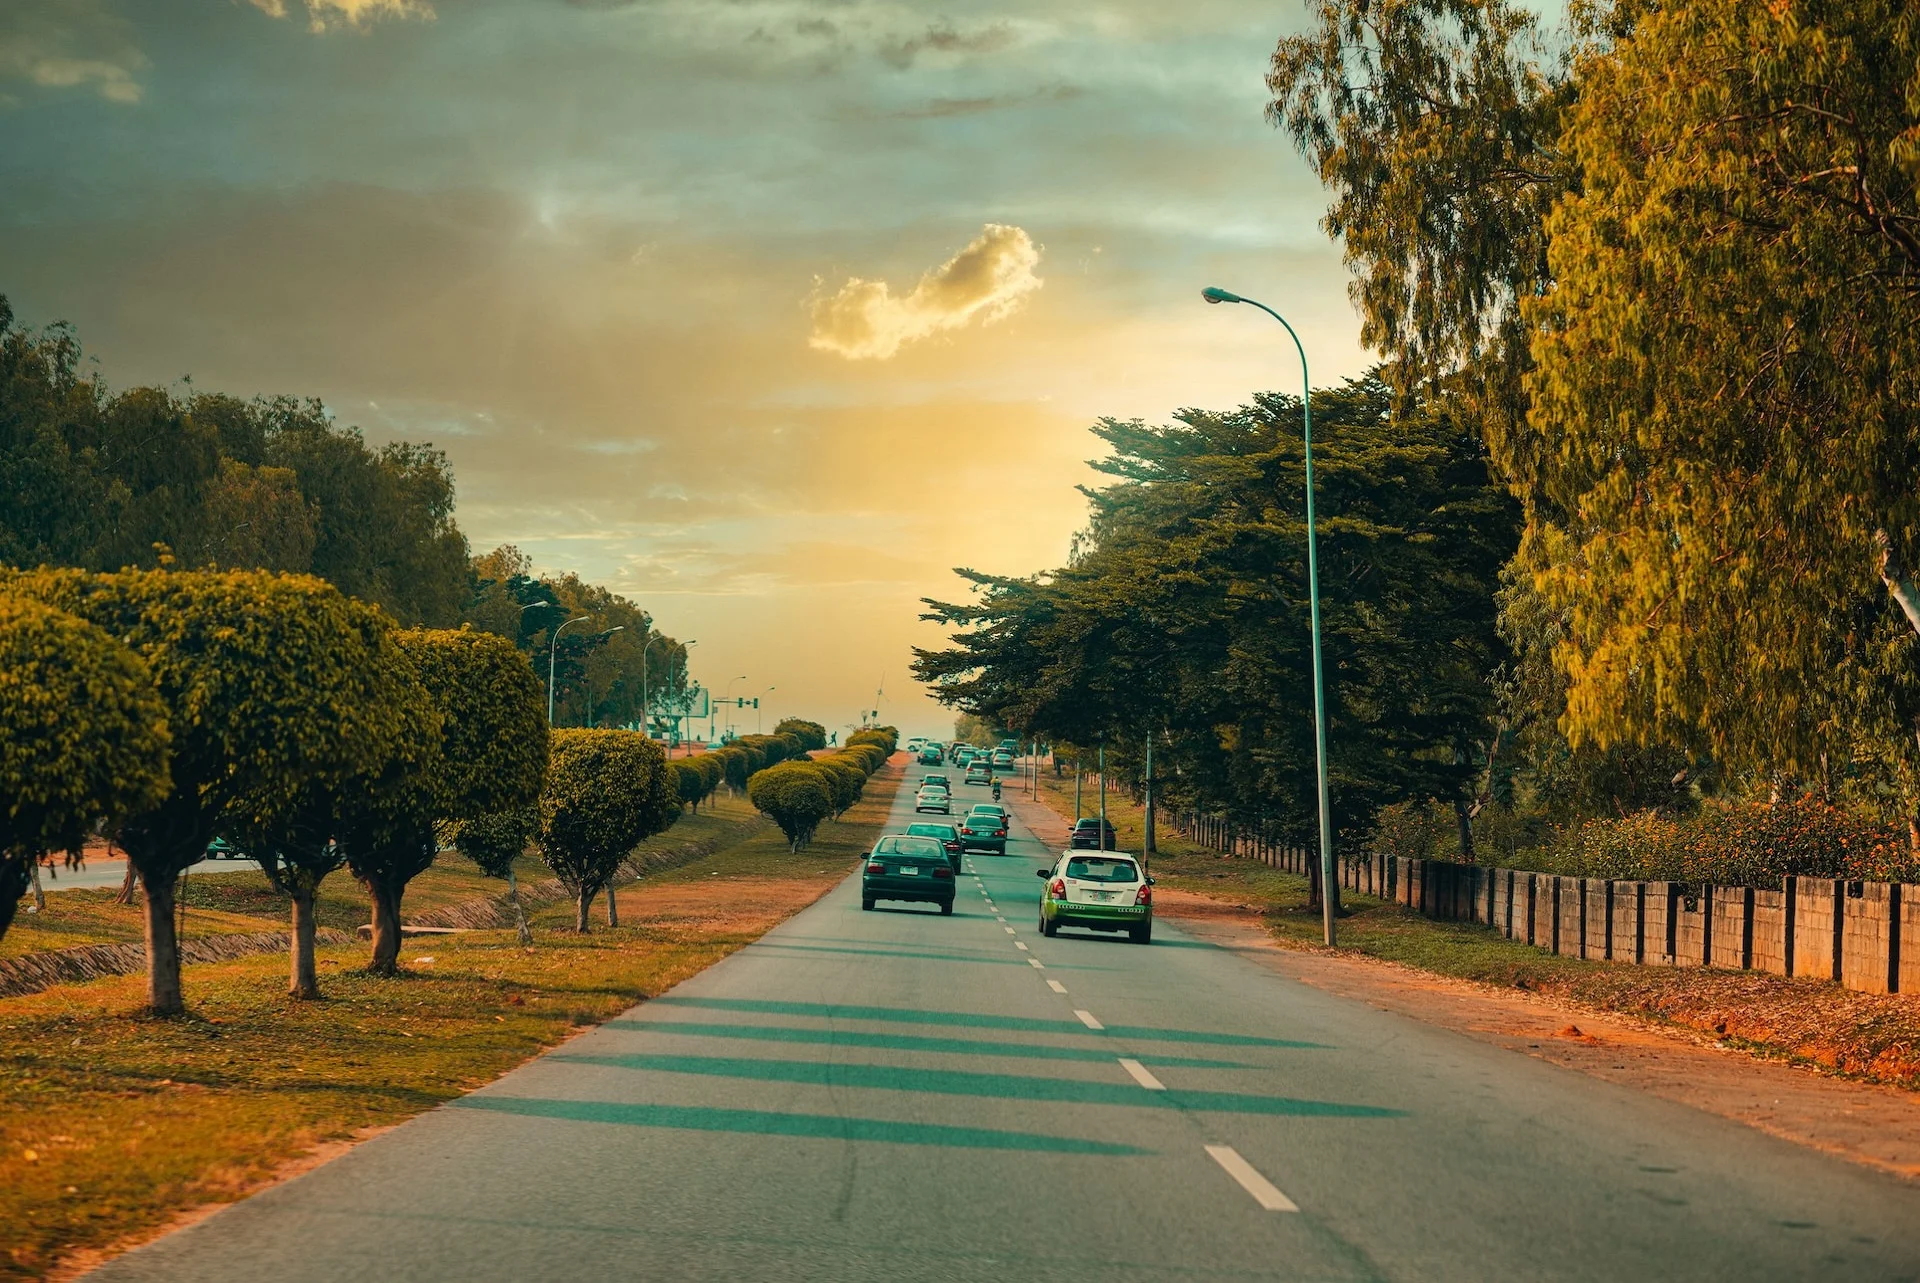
937,831
917,848
1089,869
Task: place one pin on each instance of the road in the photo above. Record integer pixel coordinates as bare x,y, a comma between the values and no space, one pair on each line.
898,1095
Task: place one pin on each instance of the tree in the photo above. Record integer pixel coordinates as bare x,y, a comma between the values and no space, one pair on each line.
1435,124
606,792
1728,365
812,735
494,842
490,757
795,795
246,664
302,834
82,737
1185,615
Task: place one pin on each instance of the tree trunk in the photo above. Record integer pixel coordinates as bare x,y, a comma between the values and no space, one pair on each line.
163,948
519,913
1898,585
302,980
1465,817
39,892
386,929
1313,882
580,923
126,884
613,905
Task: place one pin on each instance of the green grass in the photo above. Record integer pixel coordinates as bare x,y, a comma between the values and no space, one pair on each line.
112,1122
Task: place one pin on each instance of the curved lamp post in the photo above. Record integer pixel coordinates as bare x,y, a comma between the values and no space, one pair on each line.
617,628
756,707
726,693
1213,294
685,703
553,646
646,709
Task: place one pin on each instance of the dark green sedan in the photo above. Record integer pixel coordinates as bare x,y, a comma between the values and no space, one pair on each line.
909,868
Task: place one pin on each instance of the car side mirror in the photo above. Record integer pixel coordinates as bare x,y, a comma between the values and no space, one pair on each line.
1040,873
1151,882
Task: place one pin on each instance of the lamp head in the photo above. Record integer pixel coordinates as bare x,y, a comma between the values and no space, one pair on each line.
1214,294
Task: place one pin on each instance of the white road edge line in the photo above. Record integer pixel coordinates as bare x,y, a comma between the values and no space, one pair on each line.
1253,1182
1056,986
1141,1075
1086,1018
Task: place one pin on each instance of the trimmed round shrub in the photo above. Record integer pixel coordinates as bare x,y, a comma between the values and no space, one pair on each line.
794,795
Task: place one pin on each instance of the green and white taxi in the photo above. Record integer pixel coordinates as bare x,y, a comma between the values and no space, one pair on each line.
1099,890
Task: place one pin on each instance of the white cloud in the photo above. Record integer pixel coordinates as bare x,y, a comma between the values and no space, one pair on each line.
67,45
988,280
324,14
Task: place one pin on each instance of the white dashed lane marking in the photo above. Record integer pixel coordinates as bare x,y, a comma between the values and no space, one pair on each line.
1141,1076
1037,965
1086,1018
1010,931
1020,944
1262,1189
1056,986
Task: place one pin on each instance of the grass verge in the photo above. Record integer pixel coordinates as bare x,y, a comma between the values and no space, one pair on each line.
113,1123
1874,1037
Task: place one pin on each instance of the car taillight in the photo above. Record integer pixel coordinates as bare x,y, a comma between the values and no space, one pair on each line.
942,872
1057,888
1144,895
876,867
954,845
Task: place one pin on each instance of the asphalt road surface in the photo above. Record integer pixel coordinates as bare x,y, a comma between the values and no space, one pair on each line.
898,1095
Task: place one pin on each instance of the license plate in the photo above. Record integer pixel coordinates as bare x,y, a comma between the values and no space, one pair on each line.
908,873
1101,895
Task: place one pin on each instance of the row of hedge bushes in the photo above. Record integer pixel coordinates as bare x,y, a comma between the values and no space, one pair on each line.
799,795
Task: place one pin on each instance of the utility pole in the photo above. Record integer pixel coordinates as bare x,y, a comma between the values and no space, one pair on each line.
1103,792
1147,844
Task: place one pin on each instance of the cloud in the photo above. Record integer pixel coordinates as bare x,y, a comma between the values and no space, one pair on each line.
988,279
323,15
67,45
944,108
943,37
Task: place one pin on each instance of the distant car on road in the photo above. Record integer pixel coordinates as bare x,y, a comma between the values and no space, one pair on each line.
984,833
932,797
947,835
994,809
978,772
1105,891
944,781
907,868
1086,835
930,755
1003,760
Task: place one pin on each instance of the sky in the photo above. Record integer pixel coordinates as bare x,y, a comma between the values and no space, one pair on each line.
766,314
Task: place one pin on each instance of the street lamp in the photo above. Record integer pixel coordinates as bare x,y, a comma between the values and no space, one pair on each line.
553,645
646,710
1215,295
617,628
756,707
685,703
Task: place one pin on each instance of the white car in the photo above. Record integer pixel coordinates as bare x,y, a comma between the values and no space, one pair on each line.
1098,890
932,798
